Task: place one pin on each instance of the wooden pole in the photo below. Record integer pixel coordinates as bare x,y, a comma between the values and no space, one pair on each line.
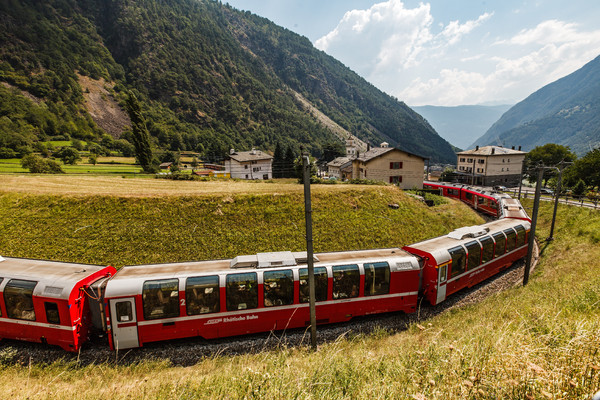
309,250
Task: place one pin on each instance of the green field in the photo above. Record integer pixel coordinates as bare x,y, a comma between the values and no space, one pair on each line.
541,341
10,166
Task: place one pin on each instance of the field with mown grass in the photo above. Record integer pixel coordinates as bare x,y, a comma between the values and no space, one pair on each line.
537,342
104,166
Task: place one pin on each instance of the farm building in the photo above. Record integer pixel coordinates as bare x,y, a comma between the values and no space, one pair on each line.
253,164
390,165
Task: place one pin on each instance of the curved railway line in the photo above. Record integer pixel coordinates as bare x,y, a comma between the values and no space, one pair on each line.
171,309
186,352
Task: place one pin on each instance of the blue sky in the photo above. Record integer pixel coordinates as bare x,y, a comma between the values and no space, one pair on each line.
447,52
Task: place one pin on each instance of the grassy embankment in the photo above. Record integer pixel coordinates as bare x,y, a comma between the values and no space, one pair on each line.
147,221
537,342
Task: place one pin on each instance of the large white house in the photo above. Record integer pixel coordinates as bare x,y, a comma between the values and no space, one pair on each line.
491,165
253,164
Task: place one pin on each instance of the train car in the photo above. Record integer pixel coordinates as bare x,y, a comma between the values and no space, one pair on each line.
512,208
468,256
47,301
481,200
447,189
256,293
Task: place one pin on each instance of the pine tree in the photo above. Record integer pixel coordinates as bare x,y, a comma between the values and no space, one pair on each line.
288,163
141,136
278,161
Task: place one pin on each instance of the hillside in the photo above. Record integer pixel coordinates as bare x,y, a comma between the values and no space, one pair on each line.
565,112
535,342
149,221
209,77
461,125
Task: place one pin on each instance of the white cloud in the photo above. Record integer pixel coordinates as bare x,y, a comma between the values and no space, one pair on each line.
401,51
454,31
385,34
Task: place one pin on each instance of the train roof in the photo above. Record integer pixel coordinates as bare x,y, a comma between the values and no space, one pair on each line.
512,208
53,277
129,280
269,260
438,247
479,191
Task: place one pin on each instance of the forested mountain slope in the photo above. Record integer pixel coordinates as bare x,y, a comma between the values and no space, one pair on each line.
565,112
209,78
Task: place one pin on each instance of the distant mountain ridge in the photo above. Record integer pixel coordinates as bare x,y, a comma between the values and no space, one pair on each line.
565,112
461,125
209,78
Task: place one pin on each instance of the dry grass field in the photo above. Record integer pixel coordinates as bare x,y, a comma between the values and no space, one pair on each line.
72,185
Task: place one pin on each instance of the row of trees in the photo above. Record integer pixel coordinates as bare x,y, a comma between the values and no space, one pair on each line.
579,175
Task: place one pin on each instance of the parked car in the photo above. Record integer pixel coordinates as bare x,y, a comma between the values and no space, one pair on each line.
547,191
500,188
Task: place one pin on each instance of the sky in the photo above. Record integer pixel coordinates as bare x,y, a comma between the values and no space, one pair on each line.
447,52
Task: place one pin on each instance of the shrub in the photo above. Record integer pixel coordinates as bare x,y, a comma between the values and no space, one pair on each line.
38,165
5,152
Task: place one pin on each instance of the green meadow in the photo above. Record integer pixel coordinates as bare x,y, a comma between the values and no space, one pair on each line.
541,341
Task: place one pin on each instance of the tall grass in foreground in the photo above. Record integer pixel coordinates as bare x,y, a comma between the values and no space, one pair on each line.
537,342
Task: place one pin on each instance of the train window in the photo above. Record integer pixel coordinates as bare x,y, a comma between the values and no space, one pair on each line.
278,287
443,272
52,316
18,298
480,200
346,281
1,279
160,298
520,236
487,254
492,204
459,257
241,291
469,196
453,192
377,278
511,240
500,244
320,284
124,311
202,294
474,252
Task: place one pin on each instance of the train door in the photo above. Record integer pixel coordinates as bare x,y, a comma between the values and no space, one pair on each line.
442,280
124,323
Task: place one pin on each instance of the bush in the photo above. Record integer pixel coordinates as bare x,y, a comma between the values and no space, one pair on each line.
38,165
5,152
579,189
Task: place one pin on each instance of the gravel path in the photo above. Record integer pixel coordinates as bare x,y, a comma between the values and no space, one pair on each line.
190,351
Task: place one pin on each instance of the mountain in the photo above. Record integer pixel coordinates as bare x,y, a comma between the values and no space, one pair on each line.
565,112
461,125
209,78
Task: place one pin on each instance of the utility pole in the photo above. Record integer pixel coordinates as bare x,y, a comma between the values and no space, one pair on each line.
309,250
536,204
521,178
561,167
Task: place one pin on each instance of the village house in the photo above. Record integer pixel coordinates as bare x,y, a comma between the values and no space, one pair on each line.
390,165
334,167
253,164
490,166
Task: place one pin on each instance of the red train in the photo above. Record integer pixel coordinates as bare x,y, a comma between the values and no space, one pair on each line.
59,303
495,204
